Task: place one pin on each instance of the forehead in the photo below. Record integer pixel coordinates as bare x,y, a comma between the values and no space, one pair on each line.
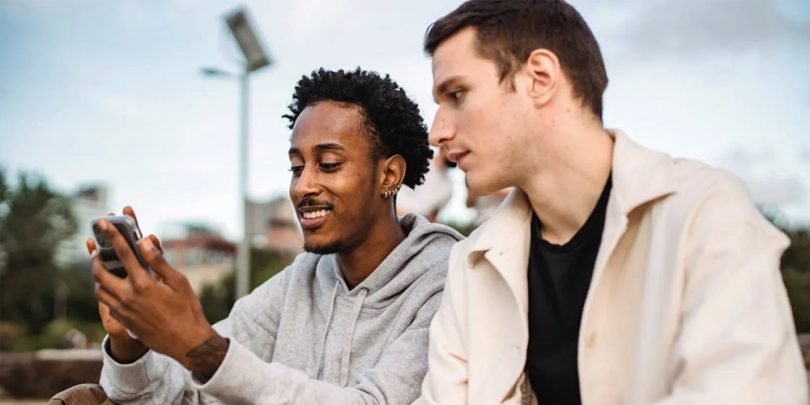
457,58
329,122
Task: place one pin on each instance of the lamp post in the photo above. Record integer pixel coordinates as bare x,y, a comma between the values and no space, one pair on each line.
255,59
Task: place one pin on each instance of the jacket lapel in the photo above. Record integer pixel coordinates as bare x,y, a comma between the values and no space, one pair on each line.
639,176
501,246
504,242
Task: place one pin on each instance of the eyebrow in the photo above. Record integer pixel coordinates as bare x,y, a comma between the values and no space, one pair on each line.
323,147
442,88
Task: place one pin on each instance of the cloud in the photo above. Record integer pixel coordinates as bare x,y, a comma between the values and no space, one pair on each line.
804,156
746,162
663,27
768,183
784,191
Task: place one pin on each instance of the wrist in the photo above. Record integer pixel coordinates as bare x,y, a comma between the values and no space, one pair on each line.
125,349
206,358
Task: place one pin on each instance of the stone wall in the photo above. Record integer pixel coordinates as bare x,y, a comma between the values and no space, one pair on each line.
42,374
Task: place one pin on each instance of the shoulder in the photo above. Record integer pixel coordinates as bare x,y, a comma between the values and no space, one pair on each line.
716,203
711,191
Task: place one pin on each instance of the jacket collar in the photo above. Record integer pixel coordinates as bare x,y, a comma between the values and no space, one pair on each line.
640,175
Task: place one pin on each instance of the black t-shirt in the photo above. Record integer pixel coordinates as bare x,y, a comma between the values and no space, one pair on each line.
559,277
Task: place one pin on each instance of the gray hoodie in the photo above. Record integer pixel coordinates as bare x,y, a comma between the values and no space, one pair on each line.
303,337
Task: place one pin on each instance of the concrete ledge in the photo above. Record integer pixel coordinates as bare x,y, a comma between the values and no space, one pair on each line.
44,373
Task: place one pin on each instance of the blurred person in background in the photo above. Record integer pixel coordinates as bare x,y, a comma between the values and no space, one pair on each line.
430,197
612,273
347,321
485,205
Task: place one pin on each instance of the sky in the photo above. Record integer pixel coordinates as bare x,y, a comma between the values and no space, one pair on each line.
102,92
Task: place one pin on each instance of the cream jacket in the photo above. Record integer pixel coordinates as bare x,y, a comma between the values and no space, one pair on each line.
686,303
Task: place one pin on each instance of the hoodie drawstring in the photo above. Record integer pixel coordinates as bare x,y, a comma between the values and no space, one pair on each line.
321,354
347,345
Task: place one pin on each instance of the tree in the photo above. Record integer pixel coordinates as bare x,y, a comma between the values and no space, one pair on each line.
796,272
34,220
795,265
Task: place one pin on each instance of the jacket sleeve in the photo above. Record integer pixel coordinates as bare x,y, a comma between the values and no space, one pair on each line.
245,378
737,343
446,380
158,379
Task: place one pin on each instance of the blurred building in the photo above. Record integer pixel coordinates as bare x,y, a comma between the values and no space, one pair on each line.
88,203
205,256
200,252
273,225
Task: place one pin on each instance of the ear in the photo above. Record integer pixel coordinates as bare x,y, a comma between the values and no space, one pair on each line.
543,74
392,173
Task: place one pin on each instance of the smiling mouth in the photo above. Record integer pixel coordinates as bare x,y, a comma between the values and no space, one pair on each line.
311,220
314,214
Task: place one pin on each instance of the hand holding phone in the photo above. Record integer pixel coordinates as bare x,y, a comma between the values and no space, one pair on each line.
132,234
129,229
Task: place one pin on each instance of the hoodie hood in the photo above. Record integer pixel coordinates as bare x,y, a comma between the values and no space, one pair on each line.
425,245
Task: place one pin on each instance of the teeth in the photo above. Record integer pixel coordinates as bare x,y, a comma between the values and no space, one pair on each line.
314,214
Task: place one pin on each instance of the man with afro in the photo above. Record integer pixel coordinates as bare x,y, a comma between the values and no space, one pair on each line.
347,321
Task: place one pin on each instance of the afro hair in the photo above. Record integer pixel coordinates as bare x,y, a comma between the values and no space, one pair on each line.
392,119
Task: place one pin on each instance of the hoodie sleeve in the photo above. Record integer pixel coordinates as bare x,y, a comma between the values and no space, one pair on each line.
245,378
158,379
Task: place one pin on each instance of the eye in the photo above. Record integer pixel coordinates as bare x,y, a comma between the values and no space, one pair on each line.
330,167
456,95
296,170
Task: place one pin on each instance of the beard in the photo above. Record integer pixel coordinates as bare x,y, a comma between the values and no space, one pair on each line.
323,248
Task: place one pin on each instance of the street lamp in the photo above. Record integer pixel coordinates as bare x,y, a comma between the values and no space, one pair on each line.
255,59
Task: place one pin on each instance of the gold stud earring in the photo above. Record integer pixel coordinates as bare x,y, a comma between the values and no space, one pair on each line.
390,193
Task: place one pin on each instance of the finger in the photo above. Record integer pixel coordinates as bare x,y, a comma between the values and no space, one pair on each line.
106,299
104,278
90,244
131,212
136,274
103,309
156,242
157,262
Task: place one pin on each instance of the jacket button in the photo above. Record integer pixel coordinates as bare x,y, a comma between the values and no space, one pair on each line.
590,340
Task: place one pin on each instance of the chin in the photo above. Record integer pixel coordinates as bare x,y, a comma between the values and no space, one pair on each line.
481,186
323,247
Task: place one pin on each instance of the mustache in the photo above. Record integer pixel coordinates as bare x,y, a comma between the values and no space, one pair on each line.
311,202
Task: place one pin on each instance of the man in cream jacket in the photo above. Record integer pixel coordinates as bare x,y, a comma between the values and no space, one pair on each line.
612,274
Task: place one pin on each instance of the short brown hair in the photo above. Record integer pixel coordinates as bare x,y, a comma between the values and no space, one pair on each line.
508,31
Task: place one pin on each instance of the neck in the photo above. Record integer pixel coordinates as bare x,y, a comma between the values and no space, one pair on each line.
565,191
359,262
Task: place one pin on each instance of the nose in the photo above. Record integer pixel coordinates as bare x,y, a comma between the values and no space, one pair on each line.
442,129
305,184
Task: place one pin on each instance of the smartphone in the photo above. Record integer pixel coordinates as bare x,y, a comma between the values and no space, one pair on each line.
131,233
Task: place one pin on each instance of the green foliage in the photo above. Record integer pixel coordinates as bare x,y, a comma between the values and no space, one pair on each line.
798,288
34,220
266,264
796,273
53,335
795,265
217,299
